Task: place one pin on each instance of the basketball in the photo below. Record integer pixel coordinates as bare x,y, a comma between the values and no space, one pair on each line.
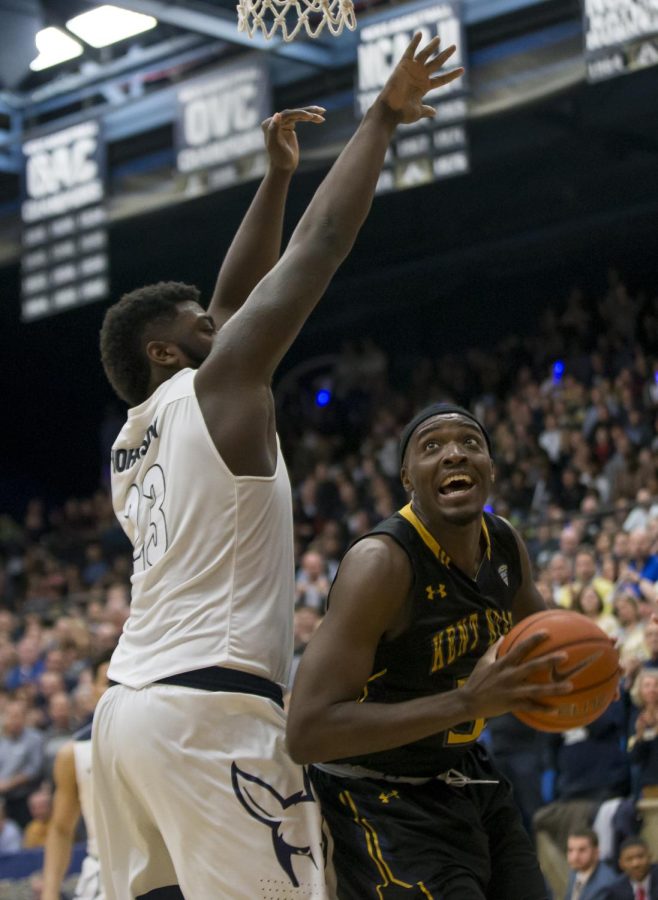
592,667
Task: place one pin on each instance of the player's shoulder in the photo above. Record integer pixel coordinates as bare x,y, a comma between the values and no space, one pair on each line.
376,550
500,527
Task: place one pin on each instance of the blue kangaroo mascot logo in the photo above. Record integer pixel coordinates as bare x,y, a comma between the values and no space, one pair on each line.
267,806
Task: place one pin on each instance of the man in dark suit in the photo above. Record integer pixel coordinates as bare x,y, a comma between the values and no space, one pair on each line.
588,875
640,878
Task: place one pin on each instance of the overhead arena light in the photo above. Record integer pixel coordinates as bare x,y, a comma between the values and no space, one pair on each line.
108,24
54,47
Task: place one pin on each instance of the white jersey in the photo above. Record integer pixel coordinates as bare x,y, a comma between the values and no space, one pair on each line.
82,757
213,579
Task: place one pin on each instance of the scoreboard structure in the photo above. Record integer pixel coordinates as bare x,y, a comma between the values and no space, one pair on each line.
431,149
64,260
199,107
621,36
218,138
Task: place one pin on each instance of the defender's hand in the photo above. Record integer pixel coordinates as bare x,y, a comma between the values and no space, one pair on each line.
414,76
280,137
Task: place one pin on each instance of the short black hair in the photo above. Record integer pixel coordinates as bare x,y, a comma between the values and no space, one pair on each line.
634,841
587,833
122,354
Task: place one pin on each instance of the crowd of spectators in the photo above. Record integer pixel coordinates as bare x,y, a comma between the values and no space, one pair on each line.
572,412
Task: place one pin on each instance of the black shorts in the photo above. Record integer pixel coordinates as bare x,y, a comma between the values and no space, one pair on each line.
433,841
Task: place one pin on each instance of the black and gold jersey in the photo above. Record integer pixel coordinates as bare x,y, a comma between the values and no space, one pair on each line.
454,619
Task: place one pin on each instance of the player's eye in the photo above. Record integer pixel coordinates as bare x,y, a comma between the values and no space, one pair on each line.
431,445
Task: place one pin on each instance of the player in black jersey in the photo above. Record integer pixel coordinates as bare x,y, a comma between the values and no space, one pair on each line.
415,807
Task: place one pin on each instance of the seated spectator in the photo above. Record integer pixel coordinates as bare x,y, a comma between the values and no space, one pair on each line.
640,514
632,647
10,833
640,573
585,572
95,567
651,643
40,806
305,623
589,602
640,878
61,725
311,581
560,571
30,665
643,744
21,760
588,875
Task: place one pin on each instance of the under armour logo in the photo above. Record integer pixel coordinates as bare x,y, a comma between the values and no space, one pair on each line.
386,798
266,805
439,591
502,571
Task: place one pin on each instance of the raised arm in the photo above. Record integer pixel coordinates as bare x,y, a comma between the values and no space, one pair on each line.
367,601
257,243
61,830
250,346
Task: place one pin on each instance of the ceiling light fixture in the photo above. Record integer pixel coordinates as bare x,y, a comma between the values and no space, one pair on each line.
54,47
108,24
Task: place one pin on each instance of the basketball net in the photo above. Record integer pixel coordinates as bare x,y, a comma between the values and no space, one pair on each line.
312,15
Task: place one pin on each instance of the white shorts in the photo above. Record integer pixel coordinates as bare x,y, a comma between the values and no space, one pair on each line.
89,884
195,788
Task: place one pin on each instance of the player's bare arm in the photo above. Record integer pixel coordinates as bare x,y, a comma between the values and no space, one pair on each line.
368,601
61,830
257,244
233,385
528,600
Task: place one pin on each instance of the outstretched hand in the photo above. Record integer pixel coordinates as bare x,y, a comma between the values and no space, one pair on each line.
414,76
280,137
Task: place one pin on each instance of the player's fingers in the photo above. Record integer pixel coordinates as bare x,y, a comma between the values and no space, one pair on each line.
302,115
520,651
552,689
435,64
548,663
410,52
446,77
427,112
427,51
270,123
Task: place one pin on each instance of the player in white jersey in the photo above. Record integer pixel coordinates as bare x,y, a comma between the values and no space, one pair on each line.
193,783
73,796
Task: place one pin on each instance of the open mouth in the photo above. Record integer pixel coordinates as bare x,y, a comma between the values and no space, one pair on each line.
457,484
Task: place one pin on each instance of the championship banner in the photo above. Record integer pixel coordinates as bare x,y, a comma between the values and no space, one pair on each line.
64,257
431,149
621,36
218,139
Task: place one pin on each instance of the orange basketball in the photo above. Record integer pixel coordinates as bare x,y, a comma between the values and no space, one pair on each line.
592,667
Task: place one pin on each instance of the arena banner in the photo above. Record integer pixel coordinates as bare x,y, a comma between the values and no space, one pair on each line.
621,36
64,252
432,148
218,139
